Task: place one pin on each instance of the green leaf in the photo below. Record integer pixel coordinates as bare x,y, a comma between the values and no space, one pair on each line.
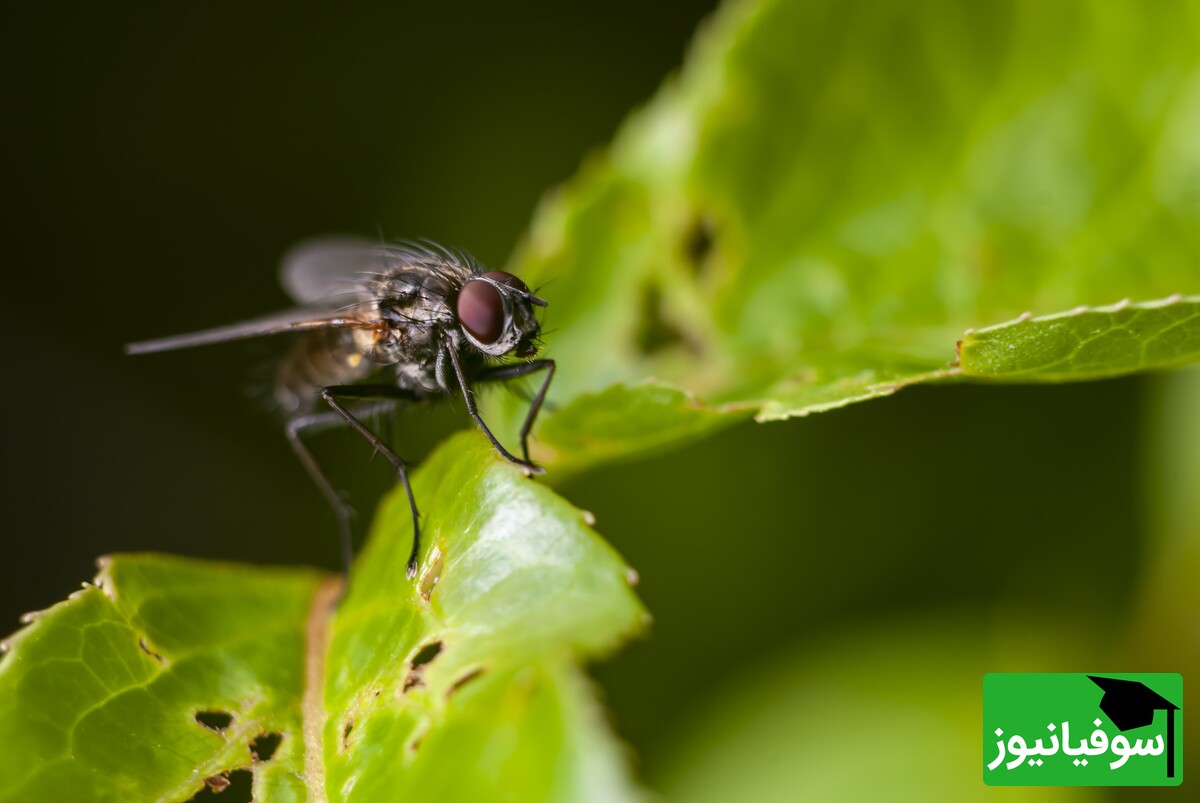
891,713
1087,343
828,196
99,695
513,585
811,214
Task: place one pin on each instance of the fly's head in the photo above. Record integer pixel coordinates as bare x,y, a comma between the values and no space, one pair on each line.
496,313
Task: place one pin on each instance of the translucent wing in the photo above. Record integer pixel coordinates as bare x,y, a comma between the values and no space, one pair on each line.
331,267
296,320
334,268
328,275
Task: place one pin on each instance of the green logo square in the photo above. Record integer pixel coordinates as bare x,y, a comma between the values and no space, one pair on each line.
1088,729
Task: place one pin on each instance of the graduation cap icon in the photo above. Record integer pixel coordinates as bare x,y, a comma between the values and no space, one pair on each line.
1131,704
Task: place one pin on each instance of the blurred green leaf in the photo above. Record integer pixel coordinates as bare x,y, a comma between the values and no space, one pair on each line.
462,685
1163,629
880,714
829,195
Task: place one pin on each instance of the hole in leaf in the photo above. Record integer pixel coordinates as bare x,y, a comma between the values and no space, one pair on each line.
419,661
426,654
464,680
146,649
698,241
415,744
214,720
233,787
264,746
346,729
655,332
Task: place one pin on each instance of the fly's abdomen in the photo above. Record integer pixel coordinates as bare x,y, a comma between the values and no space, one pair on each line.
320,359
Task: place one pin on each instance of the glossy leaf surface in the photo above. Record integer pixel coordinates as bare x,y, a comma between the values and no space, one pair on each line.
462,683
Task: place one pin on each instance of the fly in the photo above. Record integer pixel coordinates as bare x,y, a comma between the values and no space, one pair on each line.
389,324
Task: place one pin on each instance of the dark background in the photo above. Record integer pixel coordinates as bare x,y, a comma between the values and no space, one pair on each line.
160,160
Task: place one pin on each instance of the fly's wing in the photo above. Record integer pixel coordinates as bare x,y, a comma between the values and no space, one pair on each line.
330,268
296,320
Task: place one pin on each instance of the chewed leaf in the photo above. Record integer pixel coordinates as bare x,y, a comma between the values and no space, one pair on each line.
1087,343
115,693
173,674
811,215
513,584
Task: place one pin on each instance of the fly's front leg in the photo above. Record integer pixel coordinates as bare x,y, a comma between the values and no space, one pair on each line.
502,372
331,395
469,397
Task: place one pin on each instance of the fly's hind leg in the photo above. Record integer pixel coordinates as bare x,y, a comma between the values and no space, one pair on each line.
331,395
338,415
311,423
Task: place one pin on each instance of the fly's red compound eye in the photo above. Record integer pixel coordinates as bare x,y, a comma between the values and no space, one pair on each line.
500,277
481,310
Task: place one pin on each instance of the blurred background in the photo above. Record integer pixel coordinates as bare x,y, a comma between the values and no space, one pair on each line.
161,159
159,163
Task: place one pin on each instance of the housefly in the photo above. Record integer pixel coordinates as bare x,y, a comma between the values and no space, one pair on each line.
389,323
